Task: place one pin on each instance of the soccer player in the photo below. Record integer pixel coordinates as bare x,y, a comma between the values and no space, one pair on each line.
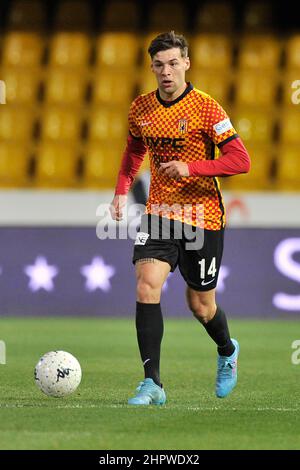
179,127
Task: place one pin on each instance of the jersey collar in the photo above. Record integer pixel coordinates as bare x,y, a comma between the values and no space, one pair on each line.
168,104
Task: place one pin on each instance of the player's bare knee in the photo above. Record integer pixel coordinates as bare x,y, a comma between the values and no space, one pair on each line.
202,311
147,292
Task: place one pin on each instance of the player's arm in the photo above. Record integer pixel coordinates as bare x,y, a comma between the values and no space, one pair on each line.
234,160
132,159
234,157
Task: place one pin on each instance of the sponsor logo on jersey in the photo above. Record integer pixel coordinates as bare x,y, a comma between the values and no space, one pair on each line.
223,126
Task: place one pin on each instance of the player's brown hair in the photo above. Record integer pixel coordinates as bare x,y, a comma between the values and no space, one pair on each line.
166,41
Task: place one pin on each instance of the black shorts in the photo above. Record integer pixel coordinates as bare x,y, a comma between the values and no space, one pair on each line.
197,252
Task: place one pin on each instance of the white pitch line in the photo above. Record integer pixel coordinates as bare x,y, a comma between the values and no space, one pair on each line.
166,407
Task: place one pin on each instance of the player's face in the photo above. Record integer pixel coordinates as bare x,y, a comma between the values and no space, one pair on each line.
169,68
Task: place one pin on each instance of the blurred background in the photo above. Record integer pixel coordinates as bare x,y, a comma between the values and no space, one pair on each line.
71,69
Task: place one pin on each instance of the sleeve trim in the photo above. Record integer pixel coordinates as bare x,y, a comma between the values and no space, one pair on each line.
234,136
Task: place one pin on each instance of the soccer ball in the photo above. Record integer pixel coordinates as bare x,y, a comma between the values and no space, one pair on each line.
57,373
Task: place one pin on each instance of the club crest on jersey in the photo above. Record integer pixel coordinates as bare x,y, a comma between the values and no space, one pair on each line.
183,126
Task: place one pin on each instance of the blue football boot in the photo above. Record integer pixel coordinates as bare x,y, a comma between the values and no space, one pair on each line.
227,372
148,393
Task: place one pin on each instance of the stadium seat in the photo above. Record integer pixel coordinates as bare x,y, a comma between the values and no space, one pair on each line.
259,177
120,15
288,168
259,52
290,125
101,164
22,48
253,125
215,84
26,15
65,85
258,17
108,123
166,16
22,84
255,88
211,50
214,16
61,123
56,165
292,52
108,87
16,123
117,49
70,49
14,160
73,15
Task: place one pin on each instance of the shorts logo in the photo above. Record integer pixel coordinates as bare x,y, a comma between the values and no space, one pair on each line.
182,126
203,283
141,238
223,126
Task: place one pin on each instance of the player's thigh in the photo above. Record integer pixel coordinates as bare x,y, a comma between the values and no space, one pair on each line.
152,272
200,267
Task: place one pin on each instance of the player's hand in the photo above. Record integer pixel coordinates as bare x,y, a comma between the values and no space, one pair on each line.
117,207
174,169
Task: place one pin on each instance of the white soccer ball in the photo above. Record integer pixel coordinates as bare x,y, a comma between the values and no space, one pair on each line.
57,373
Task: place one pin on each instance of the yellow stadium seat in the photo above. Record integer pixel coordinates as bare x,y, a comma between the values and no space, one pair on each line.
61,123
117,49
211,50
22,84
147,81
258,16
108,123
254,88
14,159
288,171
108,87
253,125
56,165
26,15
292,52
65,85
120,15
259,177
290,125
259,52
291,87
70,49
101,164
215,16
73,15
166,16
216,84
22,48
16,122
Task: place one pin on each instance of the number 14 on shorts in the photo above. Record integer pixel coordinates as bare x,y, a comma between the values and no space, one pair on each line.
207,269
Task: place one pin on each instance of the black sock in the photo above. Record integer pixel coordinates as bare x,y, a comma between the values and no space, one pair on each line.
217,329
150,328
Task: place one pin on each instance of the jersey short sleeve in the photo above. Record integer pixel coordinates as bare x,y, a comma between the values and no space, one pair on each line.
216,123
134,129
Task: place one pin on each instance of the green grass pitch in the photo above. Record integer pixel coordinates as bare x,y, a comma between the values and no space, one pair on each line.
262,413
